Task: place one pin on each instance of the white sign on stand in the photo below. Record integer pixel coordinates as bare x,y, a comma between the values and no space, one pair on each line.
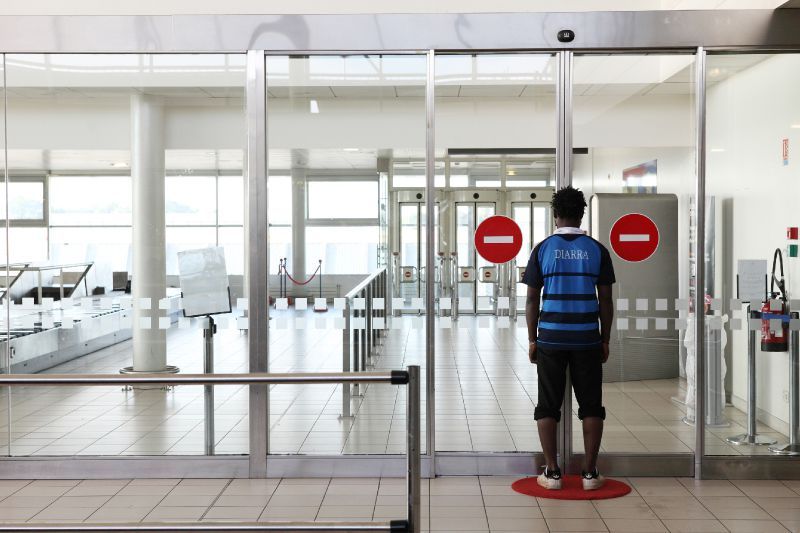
752,279
204,282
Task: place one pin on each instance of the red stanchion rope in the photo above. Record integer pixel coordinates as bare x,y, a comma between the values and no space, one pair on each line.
309,280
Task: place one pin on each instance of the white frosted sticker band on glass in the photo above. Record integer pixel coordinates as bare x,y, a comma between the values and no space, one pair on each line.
359,304
144,303
378,304
417,322
736,324
396,323
681,304
27,322
715,323
416,303
661,324
66,303
662,304
105,303
281,323
180,304
282,304
184,322
503,322
301,304
243,323
642,304
794,324
145,322
223,322
320,323
775,305
681,324
163,304
47,303
483,322
502,302
48,322
242,304
521,301
641,324
339,322
164,322
622,304
776,325
320,304
88,303
445,322
484,302
27,303
716,304
358,323
398,303
67,323
338,303
445,304
299,323
754,324
622,324
378,323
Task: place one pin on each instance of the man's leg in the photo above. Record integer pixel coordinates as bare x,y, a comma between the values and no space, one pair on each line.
551,370
586,372
592,435
547,436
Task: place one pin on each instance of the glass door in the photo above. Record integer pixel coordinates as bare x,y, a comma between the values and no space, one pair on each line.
475,296
536,222
635,116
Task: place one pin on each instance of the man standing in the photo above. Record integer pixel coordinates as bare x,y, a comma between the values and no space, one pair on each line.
576,274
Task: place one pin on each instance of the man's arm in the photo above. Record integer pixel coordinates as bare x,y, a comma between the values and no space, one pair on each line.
532,304
606,316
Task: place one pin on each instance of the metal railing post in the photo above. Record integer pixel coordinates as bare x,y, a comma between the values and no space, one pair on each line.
346,359
364,343
413,450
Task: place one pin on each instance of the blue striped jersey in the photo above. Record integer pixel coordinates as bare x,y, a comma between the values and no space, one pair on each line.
569,267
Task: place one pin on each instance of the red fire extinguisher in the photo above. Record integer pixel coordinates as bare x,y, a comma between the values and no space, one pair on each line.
773,340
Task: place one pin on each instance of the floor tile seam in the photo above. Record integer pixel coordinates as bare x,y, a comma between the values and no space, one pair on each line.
324,494
19,489
216,499
164,497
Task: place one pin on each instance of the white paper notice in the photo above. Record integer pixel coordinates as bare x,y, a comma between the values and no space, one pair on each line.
752,274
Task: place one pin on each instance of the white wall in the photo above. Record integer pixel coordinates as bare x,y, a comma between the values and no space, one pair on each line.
748,116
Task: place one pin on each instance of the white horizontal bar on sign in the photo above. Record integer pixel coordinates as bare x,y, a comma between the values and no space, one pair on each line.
498,239
634,237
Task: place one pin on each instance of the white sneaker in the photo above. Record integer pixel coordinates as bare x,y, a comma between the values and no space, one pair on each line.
551,480
592,480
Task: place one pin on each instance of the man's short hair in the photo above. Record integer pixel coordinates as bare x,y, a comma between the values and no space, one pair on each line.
568,203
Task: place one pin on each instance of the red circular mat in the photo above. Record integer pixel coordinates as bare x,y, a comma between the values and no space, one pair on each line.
572,489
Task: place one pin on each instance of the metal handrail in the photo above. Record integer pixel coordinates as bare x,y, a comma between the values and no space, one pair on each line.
408,377
373,286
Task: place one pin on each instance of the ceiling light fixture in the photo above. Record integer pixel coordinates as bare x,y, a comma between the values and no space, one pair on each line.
511,173
314,106
718,149
119,164
796,126
350,149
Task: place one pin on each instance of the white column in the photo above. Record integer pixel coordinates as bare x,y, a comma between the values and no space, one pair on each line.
297,263
149,277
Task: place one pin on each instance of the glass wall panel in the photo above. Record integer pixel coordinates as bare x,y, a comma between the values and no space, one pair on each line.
5,348
336,124
634,161
753,129
116,163
495,116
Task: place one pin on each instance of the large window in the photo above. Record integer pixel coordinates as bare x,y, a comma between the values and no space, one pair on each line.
343,199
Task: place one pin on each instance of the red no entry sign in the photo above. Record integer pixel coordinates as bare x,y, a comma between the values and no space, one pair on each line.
634,237
498,239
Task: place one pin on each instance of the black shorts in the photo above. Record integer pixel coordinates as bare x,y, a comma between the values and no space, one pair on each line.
586,373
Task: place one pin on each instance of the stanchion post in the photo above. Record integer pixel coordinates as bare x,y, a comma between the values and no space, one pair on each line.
208,390
751,437
413,458
793,448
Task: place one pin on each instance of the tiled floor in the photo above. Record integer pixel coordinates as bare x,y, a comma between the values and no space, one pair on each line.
448,504
485,395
